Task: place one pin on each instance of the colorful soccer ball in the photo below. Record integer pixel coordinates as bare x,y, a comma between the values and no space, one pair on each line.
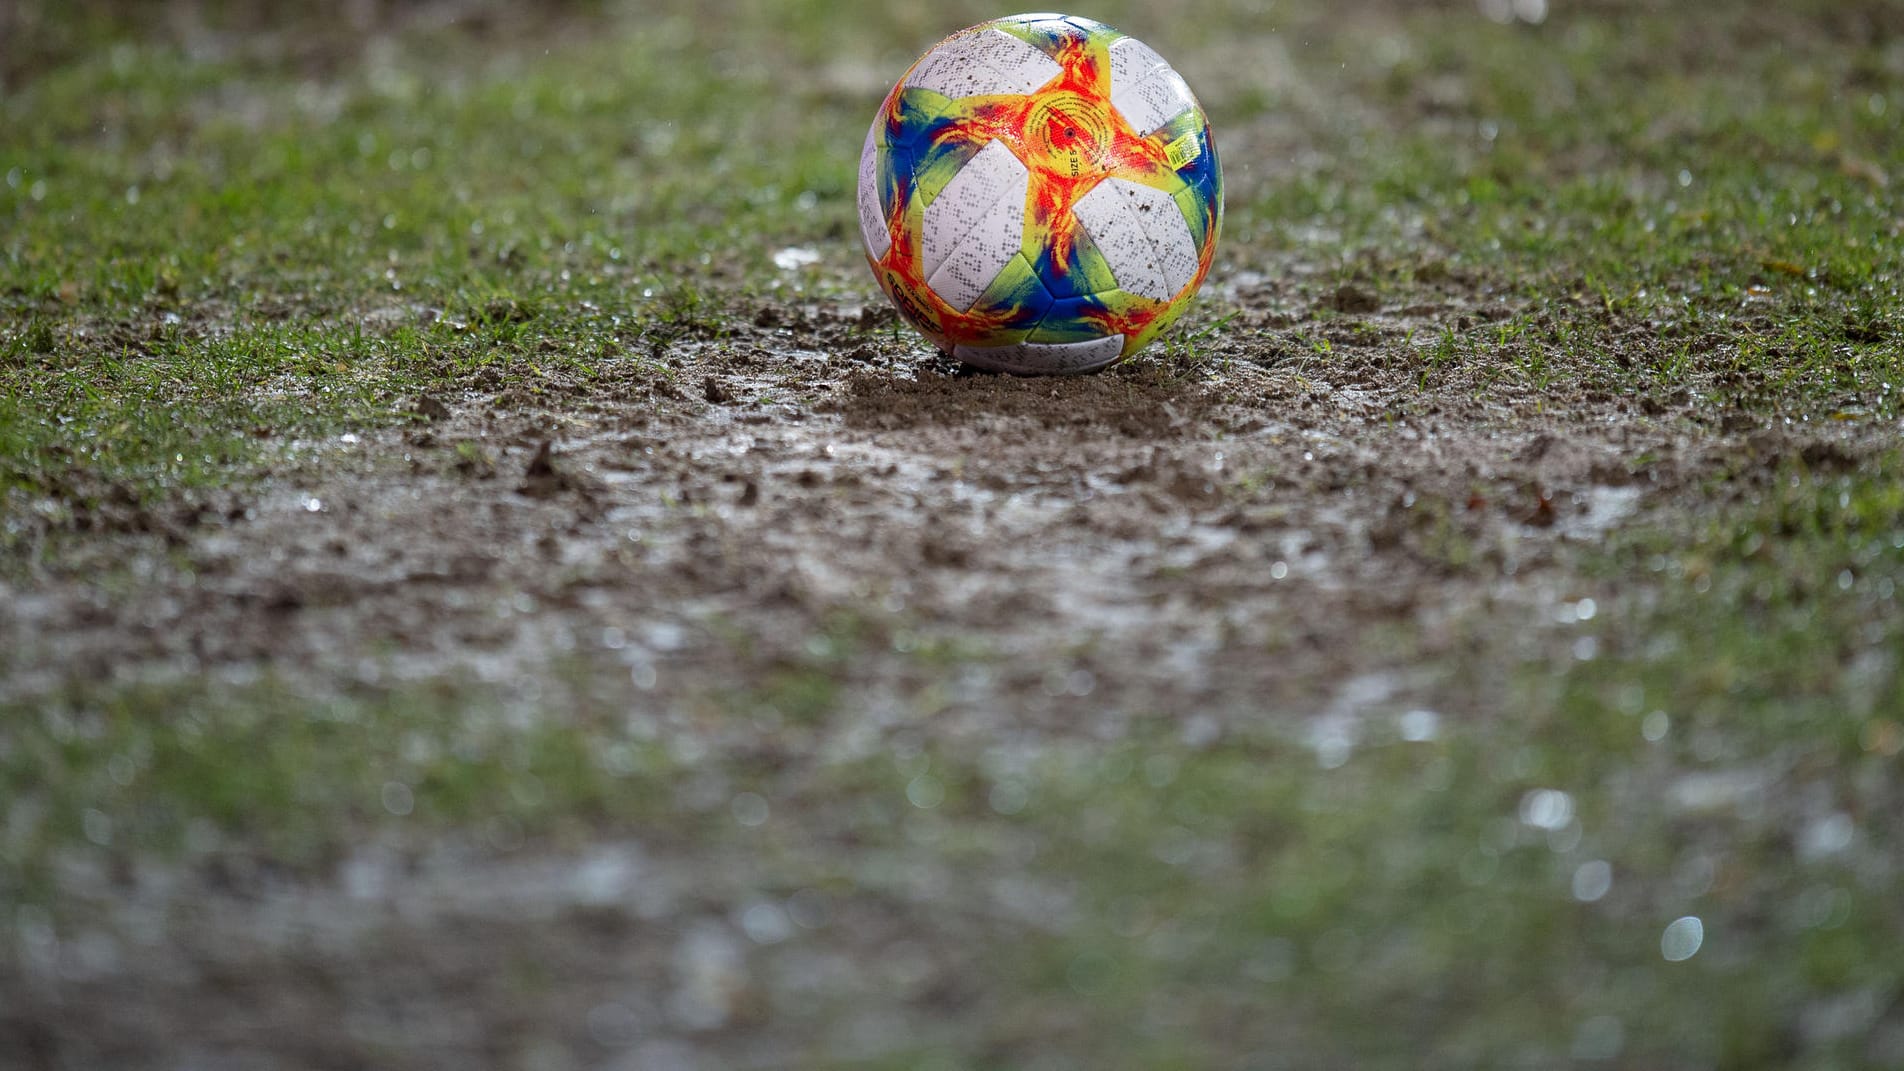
1039,194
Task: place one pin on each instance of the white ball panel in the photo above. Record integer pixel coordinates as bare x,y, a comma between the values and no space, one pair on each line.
1143,236
986,62
872,220
992,178
1132,61
1021,66
949,75
1155,101
1162,219
1105,215
1045,357
981,255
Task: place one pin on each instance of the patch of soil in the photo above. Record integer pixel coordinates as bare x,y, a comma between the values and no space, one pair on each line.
1124,520
1258,543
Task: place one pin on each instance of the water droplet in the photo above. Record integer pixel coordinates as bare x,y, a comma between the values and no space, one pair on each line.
1655,726
1278,570
766,923
98,827
311,505
1682,938
1419,726
750,809
1592,880
795,257
1826,836
1080,682
1333,749
121,769
397,798
603,878
1547,808
349,439
1585,609
809,909
613,1025
925,792
619,760
1685,178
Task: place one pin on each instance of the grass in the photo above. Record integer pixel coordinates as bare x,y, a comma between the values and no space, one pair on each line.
190,238
191,234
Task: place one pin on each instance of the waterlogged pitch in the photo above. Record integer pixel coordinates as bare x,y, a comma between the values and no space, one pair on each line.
487,580
1039,194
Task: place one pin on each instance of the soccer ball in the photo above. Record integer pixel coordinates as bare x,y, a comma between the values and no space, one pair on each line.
1039,194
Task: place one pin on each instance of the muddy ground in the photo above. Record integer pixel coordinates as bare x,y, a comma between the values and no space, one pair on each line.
1209,535
1237,546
